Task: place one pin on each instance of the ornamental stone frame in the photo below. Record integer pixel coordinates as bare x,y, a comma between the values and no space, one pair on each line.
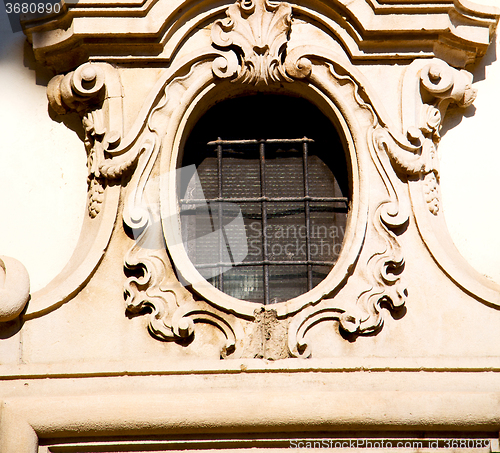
141,75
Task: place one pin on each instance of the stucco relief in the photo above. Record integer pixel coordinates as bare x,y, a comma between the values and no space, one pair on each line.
251,49
95,92
411,153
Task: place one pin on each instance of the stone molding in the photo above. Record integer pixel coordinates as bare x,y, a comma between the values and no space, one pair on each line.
68,417
89,252
14,288
456,31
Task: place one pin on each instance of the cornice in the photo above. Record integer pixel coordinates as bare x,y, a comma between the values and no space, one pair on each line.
164,367
153,30
89,416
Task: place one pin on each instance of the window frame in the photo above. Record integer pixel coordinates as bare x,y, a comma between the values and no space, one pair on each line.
260,149
180,126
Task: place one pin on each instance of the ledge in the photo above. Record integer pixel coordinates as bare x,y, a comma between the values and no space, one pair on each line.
236,366
127,30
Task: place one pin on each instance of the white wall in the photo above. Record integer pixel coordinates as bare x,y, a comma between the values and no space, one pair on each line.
470,159
42,167
43,170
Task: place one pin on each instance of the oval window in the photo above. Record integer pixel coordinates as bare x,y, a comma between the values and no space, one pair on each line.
264,209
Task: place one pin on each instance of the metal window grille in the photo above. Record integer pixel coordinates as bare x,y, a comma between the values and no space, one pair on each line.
263,200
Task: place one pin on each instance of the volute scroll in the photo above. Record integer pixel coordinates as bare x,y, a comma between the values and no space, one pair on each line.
14,288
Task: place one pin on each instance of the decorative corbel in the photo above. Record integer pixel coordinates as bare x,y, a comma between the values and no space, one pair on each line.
93,91
428,89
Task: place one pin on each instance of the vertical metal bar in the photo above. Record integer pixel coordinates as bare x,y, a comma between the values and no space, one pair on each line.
262,161
219,209
308,214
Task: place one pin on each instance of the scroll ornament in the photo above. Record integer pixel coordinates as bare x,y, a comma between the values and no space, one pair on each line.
381,275
94,92
152,286
381,278
438,86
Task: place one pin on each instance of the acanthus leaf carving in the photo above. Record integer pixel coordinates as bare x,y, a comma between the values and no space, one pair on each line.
258,31
383,270
383,273
149,286
152,284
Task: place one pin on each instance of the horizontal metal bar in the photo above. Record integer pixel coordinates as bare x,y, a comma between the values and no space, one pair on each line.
192,211
267,262
268,199
264,140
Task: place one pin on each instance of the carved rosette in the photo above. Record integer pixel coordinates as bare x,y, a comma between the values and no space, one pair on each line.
254,36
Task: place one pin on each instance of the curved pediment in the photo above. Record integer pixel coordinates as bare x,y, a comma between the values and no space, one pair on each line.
154,31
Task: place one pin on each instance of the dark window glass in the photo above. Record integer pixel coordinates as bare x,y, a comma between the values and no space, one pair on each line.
272,181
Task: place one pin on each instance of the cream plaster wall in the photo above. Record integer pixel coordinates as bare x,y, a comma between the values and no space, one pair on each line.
43,173
42,167
470,158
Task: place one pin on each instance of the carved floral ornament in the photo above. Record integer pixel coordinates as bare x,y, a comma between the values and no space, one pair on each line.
260,30
250,49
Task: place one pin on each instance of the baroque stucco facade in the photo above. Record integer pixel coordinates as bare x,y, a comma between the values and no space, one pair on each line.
128,348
